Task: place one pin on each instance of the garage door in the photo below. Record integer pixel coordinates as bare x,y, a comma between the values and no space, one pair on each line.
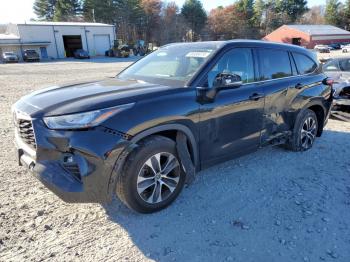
102,44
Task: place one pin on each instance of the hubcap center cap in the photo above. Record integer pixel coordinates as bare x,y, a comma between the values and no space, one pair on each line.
158,176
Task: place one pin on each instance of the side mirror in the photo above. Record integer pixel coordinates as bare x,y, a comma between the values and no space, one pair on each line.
221,81
225,80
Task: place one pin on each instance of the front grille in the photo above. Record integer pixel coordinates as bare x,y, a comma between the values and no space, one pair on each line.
26,132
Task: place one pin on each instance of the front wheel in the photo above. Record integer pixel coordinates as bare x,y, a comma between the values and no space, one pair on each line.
152,176
305,131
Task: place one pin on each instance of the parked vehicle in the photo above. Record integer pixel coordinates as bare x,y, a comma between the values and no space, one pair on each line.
81,54
10,57
346,49
335,46
30,55
182,108
322,48
344,44
339,70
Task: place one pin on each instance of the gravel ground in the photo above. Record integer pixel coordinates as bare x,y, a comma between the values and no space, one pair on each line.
273,205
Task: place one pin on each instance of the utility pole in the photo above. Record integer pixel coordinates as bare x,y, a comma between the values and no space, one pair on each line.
93,15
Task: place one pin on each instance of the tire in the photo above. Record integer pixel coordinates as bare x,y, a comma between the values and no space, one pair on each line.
138,186
304,132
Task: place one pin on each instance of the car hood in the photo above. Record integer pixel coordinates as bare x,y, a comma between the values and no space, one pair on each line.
86,97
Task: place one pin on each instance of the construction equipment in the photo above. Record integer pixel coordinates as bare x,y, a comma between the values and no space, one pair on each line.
119,50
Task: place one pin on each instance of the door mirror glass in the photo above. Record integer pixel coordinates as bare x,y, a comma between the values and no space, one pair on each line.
226,80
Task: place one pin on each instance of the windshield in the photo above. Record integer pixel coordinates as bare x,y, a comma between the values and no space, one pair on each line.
9,53
171,65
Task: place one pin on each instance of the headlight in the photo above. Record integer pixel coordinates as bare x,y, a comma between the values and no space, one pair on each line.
83,120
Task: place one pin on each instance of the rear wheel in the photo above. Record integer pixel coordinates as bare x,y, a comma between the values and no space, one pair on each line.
305,131
152,177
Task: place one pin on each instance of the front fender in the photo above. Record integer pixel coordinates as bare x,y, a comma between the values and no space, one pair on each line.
119,163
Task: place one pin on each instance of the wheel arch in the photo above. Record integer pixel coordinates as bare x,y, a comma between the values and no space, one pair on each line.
320,114
320,111
170,131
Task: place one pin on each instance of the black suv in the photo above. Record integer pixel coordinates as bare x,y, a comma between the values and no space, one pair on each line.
183,108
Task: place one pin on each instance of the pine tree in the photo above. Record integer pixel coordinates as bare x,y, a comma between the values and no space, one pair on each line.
66,10
346,15
89,10
258,9
245,17
100,11
246,7
293,9
273,16
44,9
195,15
332,12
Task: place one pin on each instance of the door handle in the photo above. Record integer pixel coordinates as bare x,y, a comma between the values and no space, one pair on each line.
299,86
256,96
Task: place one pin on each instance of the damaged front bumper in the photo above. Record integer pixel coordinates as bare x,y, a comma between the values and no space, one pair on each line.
77,166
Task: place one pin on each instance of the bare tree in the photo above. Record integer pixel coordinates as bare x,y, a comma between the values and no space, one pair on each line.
315,16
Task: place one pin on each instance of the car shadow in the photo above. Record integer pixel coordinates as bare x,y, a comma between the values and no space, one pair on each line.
266,206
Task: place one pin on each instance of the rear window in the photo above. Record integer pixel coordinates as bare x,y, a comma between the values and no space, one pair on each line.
305,64
274,64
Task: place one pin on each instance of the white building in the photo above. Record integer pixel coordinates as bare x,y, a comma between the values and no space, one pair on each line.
58,39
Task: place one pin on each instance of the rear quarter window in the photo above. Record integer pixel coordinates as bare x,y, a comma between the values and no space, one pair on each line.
274,64
304,64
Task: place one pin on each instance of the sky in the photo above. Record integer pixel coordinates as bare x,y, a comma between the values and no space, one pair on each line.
22,10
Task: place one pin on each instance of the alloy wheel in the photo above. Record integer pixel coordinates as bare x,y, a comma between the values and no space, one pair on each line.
158,178
308,133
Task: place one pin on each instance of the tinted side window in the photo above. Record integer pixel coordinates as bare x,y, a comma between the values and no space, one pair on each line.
331,66
345,65
238,61
274,64
305,64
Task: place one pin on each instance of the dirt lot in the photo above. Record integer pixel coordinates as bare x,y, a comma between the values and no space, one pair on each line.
273,205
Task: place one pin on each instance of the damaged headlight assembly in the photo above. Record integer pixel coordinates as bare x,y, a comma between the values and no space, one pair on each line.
83,120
